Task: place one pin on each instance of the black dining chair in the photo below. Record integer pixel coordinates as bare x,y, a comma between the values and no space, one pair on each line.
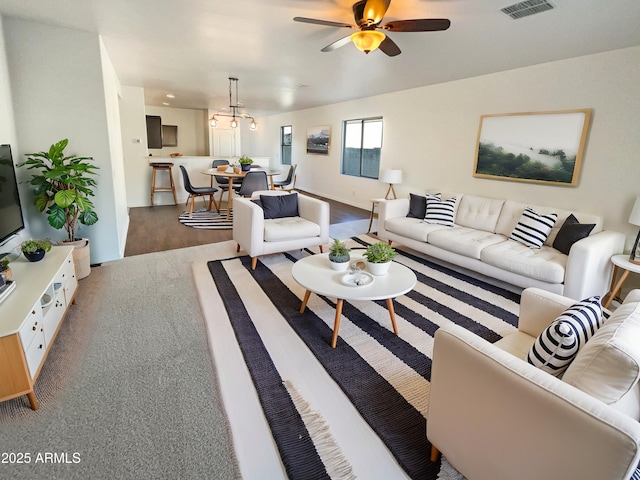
252,182
223,182
197,192
288,183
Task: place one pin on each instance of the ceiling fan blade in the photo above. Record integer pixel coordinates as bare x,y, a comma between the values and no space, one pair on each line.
321,22
337,44
419,25
389,47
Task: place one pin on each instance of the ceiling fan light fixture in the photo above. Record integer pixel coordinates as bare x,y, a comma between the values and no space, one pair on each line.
367,40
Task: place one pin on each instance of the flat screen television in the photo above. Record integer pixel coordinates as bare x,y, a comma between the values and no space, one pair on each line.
11,220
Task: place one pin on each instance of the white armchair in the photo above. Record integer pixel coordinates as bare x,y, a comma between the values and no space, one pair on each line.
495,416
260,236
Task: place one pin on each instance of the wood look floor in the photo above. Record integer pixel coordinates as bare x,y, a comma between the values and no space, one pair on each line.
155,229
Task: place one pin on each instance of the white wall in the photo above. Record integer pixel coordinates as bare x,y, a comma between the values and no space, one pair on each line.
430,133
134,145
8,136
60,90
193,130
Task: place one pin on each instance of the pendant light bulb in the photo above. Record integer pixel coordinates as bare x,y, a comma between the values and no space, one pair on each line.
253,125
213,122
234,122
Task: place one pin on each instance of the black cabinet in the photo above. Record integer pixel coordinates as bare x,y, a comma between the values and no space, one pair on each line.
154,131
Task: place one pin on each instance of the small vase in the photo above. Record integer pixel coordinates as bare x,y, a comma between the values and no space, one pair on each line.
378,269
7,273
34,256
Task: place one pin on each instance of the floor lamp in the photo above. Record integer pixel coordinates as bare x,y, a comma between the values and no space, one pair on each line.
392,177
634,219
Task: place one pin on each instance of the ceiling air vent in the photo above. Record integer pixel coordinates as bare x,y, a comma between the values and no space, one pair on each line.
529,7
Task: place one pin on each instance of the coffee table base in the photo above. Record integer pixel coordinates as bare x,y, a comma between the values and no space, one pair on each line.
336,322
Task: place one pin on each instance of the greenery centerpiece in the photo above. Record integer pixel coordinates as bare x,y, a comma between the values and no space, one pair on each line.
34,249
379,256
339,255
245,163
63,187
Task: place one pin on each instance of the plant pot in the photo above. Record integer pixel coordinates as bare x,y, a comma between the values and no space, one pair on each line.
81,257
339,266
378,269
34,256
7,273
245,167
339,262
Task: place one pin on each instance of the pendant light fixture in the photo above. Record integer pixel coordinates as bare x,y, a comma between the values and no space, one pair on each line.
233,108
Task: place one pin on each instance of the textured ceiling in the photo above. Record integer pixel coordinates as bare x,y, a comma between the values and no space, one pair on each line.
189,48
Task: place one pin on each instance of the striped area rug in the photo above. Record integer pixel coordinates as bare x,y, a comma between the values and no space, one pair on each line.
207,219
385,376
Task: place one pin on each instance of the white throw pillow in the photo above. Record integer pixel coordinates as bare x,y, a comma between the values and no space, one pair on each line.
609,365
533,229
555,348
440,212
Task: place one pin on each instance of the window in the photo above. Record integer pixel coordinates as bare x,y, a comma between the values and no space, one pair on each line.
285,144
361,145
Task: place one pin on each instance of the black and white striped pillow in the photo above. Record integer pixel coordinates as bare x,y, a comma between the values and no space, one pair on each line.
440,212
555,348
533,229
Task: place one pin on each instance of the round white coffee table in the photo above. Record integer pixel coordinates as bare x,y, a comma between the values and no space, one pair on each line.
620,262
315,275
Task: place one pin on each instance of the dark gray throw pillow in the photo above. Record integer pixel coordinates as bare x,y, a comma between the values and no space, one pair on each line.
417,206
570,232
279,206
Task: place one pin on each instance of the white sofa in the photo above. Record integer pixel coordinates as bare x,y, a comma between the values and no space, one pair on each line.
479,241
496,417
260,236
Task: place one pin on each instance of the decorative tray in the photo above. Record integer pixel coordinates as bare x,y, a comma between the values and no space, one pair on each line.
357,280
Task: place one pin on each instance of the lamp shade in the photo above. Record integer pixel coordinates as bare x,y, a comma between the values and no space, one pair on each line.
393,177
634,218
367,40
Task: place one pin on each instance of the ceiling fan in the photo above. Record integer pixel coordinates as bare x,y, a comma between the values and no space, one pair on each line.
368,15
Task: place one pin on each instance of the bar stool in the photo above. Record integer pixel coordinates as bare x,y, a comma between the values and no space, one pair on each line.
165,166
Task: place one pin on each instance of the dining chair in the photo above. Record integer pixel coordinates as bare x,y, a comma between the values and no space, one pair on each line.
252,182
197,192
223,182
288,183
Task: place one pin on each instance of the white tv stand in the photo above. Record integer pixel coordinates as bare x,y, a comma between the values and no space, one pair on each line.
29,322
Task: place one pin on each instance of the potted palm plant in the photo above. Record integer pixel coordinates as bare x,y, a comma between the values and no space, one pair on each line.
339,255
379,256
63,187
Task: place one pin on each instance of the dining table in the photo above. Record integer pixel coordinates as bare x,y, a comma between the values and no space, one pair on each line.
230,174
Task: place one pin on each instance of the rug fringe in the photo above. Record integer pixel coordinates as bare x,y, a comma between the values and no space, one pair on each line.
338,466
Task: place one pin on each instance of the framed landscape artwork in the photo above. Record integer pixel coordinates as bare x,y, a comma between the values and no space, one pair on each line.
318,140
545,147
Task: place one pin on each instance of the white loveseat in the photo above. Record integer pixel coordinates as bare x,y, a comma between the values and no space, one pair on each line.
494,416
260,236
479,241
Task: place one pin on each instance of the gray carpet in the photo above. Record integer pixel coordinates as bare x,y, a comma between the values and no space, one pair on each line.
129,383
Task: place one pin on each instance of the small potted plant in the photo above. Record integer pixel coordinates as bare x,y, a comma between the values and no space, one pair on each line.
339,255
35,249
245,163
379,256
5,268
